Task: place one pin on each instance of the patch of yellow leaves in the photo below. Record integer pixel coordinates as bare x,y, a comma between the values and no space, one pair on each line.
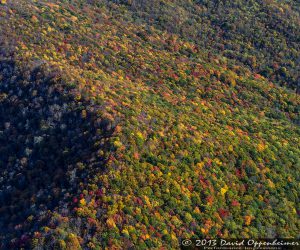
261,147
82,202
200,165
110,222
247,219
224,190
73,18
271,183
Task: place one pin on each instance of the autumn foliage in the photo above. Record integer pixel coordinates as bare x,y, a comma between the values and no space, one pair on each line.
118,131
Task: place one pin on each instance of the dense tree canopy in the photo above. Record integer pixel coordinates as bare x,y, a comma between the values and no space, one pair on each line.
142,123
261,35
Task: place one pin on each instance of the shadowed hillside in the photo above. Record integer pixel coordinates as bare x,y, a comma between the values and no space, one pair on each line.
48,146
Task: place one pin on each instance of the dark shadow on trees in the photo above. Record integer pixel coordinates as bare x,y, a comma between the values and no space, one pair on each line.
46,145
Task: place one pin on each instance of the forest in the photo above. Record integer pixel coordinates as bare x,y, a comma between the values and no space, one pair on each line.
138,124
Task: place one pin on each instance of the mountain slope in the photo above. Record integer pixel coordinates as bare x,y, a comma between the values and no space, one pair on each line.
134,136
261,35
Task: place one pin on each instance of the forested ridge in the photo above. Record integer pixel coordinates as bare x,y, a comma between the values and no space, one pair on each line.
137,124
261,35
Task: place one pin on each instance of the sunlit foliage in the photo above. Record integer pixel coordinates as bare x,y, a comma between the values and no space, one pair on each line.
146,136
